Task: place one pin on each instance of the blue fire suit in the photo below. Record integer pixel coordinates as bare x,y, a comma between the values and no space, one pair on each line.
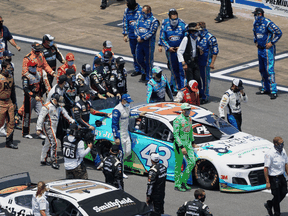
146,29
265,31
208,44
156,90
129,23
171,37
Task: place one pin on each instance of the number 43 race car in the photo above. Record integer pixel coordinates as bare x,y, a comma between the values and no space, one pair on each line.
227,158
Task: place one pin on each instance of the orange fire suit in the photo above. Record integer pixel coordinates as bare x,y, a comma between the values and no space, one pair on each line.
62,70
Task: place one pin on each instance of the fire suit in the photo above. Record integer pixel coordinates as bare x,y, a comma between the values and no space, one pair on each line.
118,81
99,79
156,187
7,101
70,93
193,208
112,169
183,135
156,90
129,23
120,122
146,29
171,37
51,54
84,80
265,31
208,44
62,69
233,102
56,88
49,115
185,95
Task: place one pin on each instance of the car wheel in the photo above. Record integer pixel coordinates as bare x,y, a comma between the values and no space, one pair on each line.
206,174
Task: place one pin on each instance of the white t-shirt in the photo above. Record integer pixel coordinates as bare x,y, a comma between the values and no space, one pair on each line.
40,203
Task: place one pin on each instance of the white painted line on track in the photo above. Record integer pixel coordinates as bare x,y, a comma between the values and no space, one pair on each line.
218,75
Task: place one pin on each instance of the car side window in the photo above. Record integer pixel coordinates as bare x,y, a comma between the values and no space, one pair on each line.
24,201
159,130
62,207
138,125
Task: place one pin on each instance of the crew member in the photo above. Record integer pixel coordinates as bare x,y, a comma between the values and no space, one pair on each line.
131,15
49,115
208,49
189,94
232,99
112,169
195,207
51,53
107,46
275,165
5,36
266,34
7,102
226,11
187,53
71,91
83,79
58,88
74,151
145,30
172,32
183,145
69,64
157,86
156,185
118,80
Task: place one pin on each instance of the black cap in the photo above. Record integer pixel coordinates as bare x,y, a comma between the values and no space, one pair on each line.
8,53
107,55
73,126
36,47
115,149
48,37
84,89
120,61
62,79
172,11
258,11
70,71
86,68
193,27
98,61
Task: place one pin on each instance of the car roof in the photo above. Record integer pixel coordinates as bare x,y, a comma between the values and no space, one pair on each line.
169,110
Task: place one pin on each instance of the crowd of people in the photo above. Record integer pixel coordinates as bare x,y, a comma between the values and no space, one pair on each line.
191,52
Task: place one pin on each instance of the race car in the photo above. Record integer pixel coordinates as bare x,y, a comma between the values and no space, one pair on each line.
72,197
227,158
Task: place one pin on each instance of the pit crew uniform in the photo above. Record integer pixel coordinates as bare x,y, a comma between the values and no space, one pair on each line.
112,169
146,29
156,90
98,80
56,89
264,29
156,187
70,93
192,208
233,102
118,81
85,80
63,68
129,23
183,135
185,95
49,115
171,36
208,44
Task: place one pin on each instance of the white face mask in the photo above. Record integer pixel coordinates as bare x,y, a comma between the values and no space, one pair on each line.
32,69
70,63
51,43
173,22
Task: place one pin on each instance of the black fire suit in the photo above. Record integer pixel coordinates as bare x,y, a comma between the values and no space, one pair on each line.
226,10
118,81
99,80
112,169
156,187
195,208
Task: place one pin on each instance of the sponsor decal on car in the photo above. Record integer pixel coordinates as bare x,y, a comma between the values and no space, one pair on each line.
108,206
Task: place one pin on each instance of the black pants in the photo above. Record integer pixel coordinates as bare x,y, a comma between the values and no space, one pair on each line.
278,190
193,71
158,205
225,9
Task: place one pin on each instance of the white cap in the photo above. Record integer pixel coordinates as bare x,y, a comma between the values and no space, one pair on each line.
108,44
238,83
155,157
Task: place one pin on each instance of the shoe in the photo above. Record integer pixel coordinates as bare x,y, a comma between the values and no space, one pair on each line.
229,16
103,6
135,73
262,92
273,96
3,132
180,188
55,165
42,136
99,166
45,163
125,176
203,101
269,209
146,81
218,19
28,136
143,78
186,186
11,145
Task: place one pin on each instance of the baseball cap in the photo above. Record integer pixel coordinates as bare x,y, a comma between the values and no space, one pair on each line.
258,11
98,61
107,44
156,70
185,106
193,85
7,53
70,57
70,71
193,27
155,157
84,89
120,61
115,148
86,68
238,83
62,79
48,37
127,98
172,11
36,47
107,55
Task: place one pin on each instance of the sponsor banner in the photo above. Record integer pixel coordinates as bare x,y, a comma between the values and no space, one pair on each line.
275,7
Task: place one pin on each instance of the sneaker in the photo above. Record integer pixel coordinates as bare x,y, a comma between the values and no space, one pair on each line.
45,163
135,73
186,186
42,136
125,176
180,188
269,209
218,19
203,101
55,165
3,132
103,6
229,16
143,78
273,96
262,92
11,145
99,166
28,136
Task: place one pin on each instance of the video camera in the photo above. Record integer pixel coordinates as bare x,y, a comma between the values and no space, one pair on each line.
85,134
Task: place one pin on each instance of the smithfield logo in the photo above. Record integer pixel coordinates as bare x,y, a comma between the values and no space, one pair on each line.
277,5
108,206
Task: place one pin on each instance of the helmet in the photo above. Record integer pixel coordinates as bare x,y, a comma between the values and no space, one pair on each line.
70,57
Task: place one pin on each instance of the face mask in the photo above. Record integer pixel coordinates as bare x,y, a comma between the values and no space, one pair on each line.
257,18
87,97
145,15
107,49
8,59
279,148
202,199
73,78
187,113
193,34
85,74
236,90
51,43
174,22
121,67
32,69
126,105
70,63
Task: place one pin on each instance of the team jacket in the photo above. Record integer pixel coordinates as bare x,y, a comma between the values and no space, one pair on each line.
129,21
156,90
233,102
70,93
118,81
185,95
263,30
98,80
171,36
62,69
7,88
51,54
157,181
208,44
194,208
183,132
146,28
112,169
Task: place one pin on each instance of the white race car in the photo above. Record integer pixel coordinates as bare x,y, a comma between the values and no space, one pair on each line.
73,197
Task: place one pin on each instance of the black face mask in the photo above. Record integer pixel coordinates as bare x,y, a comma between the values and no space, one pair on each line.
202,199
121,67
85,74
131,4
8,60
236,90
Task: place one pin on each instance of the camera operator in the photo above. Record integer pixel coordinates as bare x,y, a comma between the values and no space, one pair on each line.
74,152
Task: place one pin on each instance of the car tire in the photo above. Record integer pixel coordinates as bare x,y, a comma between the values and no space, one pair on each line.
206,174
